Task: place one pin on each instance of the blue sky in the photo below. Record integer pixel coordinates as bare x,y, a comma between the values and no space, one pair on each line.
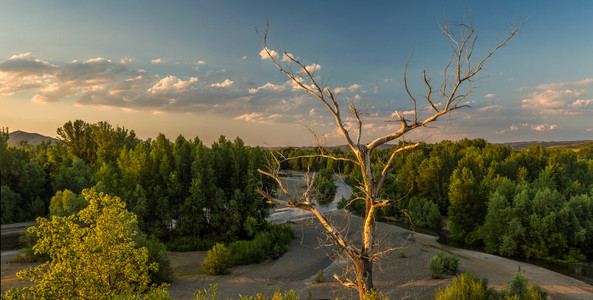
194,67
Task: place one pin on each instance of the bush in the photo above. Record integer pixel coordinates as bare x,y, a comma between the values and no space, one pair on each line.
247,252
319,277
518,288
443,263
217,261
464,286
281,236
326,189
423,213
157,253
212,293
65,203
190,243
274,242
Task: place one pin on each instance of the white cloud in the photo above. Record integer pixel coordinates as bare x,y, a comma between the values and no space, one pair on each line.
311,68
258,118
171,84
351,88
268,86
488,107
565,85
550,99
25,71
489,95
264,55
287,57
126,60
225,83
582,103
157,61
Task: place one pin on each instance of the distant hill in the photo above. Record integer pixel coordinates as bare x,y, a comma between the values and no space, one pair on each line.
16,137
575,145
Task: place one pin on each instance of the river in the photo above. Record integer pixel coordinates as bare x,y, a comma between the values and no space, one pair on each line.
582,272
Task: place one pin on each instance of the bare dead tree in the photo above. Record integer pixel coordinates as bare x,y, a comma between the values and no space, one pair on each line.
457,84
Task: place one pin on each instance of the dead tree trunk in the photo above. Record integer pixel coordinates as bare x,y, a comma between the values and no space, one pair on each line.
456,87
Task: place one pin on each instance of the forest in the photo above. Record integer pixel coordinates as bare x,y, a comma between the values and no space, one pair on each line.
532,203
186,196
178,190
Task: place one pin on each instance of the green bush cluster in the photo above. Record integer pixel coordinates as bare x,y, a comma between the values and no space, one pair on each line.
422,212
270,243
467,286
464,286
157,253
325,187
190,243
218,260
443,264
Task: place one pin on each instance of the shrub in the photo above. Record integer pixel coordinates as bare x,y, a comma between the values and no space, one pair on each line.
518,288
65,203
157,253
423,213
274,242
246,252
443,263
281,236
464,286
518,285
190,243
319,277
212,293
326,189
217,261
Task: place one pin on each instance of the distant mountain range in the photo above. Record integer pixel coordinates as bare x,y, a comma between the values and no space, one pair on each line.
16,137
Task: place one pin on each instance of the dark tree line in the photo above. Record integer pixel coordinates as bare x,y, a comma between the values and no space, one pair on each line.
177,189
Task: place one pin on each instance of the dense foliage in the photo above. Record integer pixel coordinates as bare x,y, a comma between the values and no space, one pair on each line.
178,190
324,186
443,263
93,254
536,202
273,242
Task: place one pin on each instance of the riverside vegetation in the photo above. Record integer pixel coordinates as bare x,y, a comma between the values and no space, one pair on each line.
528,190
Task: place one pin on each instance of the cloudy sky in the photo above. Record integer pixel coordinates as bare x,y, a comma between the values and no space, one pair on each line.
195,67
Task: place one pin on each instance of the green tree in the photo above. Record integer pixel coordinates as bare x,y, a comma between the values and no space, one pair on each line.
467,209
66,203
92,254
